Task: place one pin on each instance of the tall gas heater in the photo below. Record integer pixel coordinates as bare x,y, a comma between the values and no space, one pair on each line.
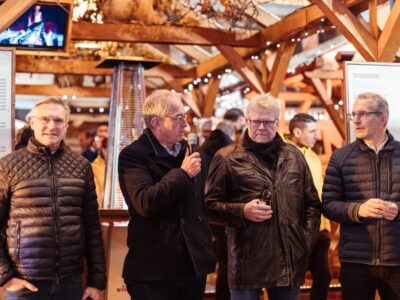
125,120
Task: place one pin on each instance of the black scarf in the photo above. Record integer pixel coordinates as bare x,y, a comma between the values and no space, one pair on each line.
268,152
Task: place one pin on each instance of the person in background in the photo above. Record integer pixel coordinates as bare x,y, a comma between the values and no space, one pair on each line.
236,116
48,215
362,192
220,137
23,136
99,171
86,140
262,191
304,134
169,240
101,132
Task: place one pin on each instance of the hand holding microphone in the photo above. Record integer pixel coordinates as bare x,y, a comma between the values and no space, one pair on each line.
192,161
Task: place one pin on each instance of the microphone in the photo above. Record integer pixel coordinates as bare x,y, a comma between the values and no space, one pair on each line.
192,142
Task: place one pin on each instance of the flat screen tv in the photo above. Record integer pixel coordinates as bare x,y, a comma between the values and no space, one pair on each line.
43,27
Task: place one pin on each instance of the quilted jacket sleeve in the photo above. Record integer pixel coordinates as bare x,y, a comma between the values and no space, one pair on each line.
6,270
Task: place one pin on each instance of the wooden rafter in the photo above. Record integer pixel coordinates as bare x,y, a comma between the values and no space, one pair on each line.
209,100
159,34
80,67
240,66
278,73
325,74
54,90
327,103
389,40
11,10
373,19
349,25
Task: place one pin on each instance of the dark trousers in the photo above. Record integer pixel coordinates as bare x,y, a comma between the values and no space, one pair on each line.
222,291
360,282
319,267
192,289
69,288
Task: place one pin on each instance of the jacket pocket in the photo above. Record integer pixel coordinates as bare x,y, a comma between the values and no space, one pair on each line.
18,241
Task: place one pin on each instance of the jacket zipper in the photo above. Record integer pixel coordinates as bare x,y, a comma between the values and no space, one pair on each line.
55,210
379,222
18,240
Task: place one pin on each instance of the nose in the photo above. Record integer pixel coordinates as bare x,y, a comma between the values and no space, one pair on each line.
262,125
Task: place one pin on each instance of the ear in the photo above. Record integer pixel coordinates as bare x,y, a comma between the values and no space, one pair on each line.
297,132
155,122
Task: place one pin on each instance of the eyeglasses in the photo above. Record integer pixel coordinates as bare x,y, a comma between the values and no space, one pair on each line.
46,120
362,115
181,119
266,123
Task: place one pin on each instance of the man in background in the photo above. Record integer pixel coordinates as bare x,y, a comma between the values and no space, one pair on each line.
169,240
86,140
304,134
48,215
236,116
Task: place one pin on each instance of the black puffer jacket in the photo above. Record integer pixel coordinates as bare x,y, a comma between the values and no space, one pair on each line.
354,175
273,252
49,216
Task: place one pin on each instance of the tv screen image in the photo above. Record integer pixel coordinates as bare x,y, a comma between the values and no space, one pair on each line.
43,26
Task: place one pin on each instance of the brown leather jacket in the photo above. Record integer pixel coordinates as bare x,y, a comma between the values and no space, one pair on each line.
273,252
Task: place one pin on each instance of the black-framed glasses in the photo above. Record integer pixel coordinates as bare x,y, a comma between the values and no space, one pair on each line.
181,119
361,115
266,123
46,120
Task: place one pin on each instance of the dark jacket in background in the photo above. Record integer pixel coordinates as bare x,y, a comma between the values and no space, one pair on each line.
168,235
213,143
354,175
273,252
49,216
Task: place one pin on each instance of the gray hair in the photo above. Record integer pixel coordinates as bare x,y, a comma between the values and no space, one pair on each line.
380,102
266,101
157,105
52,100
226,127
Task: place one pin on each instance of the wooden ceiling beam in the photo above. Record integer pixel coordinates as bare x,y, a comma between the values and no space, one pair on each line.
211,95
325,74
240,66
389,40
373,19
11,10
349,25
54,90
134,33
27,64
281,63
327,103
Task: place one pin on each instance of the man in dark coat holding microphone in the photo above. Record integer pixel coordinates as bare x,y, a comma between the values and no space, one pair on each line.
170,251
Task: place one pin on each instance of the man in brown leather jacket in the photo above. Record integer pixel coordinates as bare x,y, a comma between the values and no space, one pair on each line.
263,192
48,215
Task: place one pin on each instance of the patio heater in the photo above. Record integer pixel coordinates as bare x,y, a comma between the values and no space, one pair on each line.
125,119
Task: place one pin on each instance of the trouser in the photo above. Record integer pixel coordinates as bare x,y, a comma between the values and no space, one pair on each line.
360,282
319,267
274,293
69,288
192,289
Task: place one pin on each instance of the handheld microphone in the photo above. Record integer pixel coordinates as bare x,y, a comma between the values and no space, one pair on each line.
192,142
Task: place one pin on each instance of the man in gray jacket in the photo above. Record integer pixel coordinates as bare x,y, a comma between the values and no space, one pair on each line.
49,215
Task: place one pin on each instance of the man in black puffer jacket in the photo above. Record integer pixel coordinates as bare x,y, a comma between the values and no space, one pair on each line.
49,215
362,193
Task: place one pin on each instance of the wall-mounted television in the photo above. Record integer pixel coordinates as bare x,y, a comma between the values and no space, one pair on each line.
44,27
